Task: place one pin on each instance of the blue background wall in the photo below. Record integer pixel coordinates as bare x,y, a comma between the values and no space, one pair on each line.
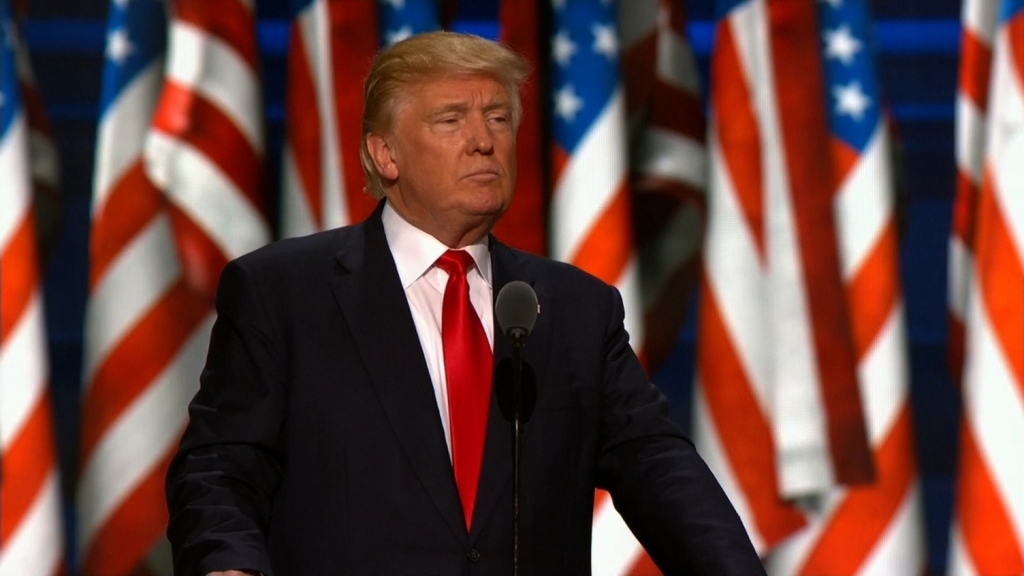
918,42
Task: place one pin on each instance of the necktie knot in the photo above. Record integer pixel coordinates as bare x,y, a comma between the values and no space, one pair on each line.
456,262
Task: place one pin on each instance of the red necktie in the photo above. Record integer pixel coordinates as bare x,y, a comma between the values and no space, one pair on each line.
468,366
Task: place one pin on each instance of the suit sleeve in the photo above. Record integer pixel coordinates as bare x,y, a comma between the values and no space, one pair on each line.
221,482
659,484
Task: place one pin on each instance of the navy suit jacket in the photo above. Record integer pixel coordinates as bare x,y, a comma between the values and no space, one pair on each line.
315,445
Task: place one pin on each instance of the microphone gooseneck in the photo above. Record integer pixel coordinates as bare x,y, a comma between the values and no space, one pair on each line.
516,311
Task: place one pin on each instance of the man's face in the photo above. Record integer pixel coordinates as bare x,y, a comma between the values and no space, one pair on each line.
452,147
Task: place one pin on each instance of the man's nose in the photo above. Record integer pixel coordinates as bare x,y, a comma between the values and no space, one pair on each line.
478,136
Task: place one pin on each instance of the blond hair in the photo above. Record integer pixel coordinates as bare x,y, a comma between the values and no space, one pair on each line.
424,57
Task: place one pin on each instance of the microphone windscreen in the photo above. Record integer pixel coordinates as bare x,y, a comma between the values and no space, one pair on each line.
516,308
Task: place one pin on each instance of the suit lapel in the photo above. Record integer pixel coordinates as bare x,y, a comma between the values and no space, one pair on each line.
496,471
369,292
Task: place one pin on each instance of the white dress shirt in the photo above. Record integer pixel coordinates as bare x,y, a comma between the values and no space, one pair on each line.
415,252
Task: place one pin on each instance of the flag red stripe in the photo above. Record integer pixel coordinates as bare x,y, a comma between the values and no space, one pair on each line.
844,159
965,206
228,20
739,136
354,21
132,204
638,66
678,111
131,530
1001,276
873,292
303,125
860,521
20,272
201,259
187,116
987,530
607,248
25,466
523,225
131,367
798,72
744,432
975,64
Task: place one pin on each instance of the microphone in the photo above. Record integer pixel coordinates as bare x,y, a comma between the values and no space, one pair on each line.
516,310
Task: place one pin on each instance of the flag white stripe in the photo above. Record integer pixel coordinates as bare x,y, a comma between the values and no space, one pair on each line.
206,194
36,545
122,131
614,549
883,377
15,201
900,549
736,277
980,19
208,66
664,153
674,63
23,372
994,409
141,437
122,296
863,206
1009,190
594,174
628,286
637,21
970,138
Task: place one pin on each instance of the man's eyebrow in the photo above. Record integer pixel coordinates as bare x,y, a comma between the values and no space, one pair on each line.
449,107
460,106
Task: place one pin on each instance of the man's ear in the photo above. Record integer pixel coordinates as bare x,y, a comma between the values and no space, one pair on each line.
382,155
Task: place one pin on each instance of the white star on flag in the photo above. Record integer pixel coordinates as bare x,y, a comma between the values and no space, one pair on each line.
562,48
119,46
851,100
842,45
605,41
567,103
394,36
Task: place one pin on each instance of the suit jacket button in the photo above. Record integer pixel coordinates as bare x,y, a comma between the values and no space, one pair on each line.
474,555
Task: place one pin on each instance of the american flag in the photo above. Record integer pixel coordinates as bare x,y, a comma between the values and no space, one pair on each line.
668,164
206,148
31,533
43,158
777,409
590,211
160,225
876,528
524,224
331,47
987,536
331,44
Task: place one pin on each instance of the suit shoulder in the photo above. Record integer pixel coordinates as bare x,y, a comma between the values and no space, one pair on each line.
561,274
299,252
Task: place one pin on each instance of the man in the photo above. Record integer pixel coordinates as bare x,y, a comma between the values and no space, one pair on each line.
337,432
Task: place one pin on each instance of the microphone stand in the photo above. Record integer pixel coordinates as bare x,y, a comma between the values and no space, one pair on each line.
517,416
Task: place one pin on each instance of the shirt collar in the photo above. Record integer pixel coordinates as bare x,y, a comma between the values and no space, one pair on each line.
415,251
